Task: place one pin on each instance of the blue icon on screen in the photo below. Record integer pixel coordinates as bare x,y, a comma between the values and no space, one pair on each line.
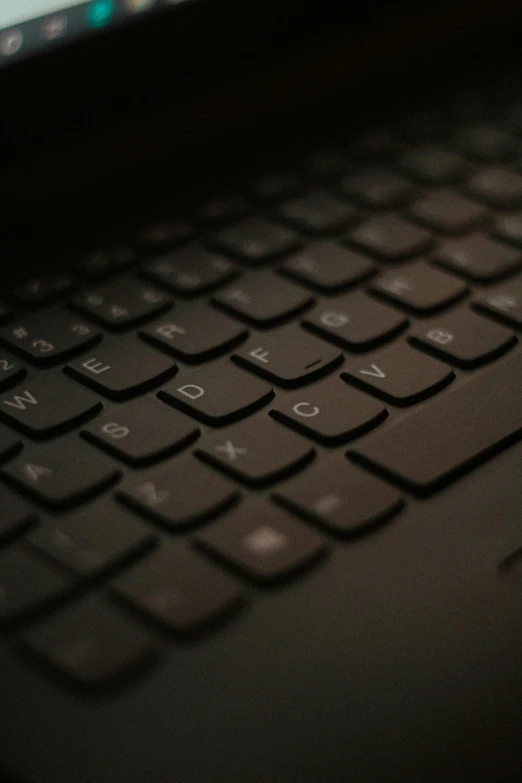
100,12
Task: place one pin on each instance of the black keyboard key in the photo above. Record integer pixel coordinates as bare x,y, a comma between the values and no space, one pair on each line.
433,165
9,443
16,516
317,213
419,287
179,589
6,312
463,338
191,270
448,212
328,266
325,164
486,143
28,582
509,228
11,371
257,451
277,186
355,321
289,357
497,186
122,303
100,263
328,412
164,233
399,374
195,334
457,430
61,474
504,302
256,240
93,643
49,337
264,542
390,237
378,188
96,540
123,369
179,493
478,258
47,405
39,290
340,497
375,144
264,300
218,395
141,431
219,210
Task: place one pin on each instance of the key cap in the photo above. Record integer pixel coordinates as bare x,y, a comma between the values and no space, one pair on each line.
93,643
219,210
39,290
377,188
218,395
328,266
9,443
257,451
433,165
399,374
179,589
289,357
355,321
263,300
419,287
6,313
464,338
61,474
263,542
342,498
164,233
256,240
16,516
317,213
486,143
104,262
95,540
277,186
448,212
49,337
121,303
325,164
11,371
47,405
179,493
329,412
191,270
122,369
29,582
509,228
141,431
478,258
375,144
456,431
497,186
390,237
504,302
195,334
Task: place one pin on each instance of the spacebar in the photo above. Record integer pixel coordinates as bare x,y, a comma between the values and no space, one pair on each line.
451,433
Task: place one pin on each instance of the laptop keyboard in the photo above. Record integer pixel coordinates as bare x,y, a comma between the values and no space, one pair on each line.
216,400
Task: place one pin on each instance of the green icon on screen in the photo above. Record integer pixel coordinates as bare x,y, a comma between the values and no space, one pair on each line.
100,12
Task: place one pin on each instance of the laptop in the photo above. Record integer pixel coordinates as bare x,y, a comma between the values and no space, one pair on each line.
260,392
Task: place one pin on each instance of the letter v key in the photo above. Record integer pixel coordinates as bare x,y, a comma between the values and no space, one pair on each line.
375,372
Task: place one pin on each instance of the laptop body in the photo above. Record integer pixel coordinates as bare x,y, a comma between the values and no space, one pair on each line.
173,611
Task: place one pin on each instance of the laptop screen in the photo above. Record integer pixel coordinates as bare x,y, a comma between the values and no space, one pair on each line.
28,26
